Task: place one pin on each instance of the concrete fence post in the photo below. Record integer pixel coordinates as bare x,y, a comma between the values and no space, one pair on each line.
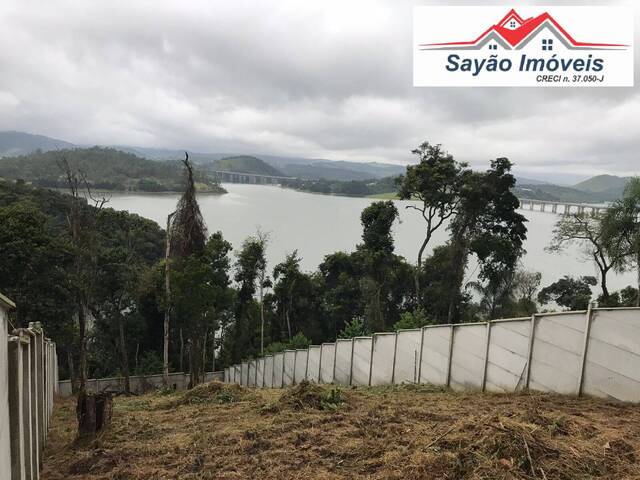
295,362
30,466
486,356
306,366
532,334
5,441
422,332
320,365
393,365
450,355
373,342
15,397
351,365
585,347
36,328
335,357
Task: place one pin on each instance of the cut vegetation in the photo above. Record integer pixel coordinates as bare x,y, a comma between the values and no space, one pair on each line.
221,431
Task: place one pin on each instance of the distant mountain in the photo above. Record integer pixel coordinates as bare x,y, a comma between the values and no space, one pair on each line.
20,143
609,187
245,164
105,168
558,193
318,171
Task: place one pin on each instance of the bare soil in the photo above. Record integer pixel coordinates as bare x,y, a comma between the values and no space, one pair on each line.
219,431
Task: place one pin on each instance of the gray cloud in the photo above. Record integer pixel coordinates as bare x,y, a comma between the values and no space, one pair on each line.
319,78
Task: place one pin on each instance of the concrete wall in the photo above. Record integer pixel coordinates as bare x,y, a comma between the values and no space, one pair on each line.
594,352
140,383
28,370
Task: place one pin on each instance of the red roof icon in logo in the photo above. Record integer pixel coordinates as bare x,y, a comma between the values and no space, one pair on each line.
513,33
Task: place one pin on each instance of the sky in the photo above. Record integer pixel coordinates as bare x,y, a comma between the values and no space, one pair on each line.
320,79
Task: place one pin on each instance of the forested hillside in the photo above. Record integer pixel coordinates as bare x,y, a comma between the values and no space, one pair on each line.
104,168
245,164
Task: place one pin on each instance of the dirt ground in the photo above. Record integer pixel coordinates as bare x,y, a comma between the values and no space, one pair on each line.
310,432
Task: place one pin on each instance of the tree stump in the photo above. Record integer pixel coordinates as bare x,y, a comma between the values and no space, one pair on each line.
94,411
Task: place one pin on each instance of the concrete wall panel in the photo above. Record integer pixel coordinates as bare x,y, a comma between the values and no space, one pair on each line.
301,366
383,351
260,372
327,357
252,374
407,356
343,361
289,367
435,355
467,358
557,352
278,367
268,371
507,358
313,363
361,360
612,367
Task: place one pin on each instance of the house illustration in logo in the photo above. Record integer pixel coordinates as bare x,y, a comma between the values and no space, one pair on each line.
514,32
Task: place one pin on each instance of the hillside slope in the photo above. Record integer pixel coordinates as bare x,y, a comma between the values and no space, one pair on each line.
105,168
20,143
245,164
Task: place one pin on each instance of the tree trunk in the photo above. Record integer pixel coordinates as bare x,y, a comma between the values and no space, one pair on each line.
72,373
82,334
124,358
181,352
261,319
167,311
603,285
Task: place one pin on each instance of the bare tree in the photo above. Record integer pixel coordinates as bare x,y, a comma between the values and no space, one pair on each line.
81,222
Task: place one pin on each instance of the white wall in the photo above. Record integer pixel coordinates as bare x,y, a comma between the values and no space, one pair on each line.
595,352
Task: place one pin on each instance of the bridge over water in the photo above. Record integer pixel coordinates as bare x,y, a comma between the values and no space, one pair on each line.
254,178
564,208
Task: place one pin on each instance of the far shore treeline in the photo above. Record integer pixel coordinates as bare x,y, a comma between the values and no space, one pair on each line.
116,294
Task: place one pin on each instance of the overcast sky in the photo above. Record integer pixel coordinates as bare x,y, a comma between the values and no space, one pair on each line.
326,79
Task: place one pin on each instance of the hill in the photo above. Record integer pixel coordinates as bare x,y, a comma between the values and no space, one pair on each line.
558,193
329,432
245,164
105,168
21,143
609,187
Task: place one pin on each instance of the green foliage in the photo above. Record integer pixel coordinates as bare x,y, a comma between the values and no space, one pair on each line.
332,399
149,363
415,319
105,168
569,292
245,164
297,342
354,328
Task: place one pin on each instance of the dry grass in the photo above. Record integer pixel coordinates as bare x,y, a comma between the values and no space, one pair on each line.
308,432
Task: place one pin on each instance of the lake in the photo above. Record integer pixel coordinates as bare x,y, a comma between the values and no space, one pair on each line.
317,225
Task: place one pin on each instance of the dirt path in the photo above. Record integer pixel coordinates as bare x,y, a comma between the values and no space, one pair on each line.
408,432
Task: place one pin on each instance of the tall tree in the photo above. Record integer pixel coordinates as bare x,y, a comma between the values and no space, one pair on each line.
586,230
377,260
186,236
435,184
621,230
82,230
488,225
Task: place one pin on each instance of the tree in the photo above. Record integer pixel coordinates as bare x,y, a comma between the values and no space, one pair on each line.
569,292
587,231
250,262
435,183
81,223
621,228
488,225
377,261
186,236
